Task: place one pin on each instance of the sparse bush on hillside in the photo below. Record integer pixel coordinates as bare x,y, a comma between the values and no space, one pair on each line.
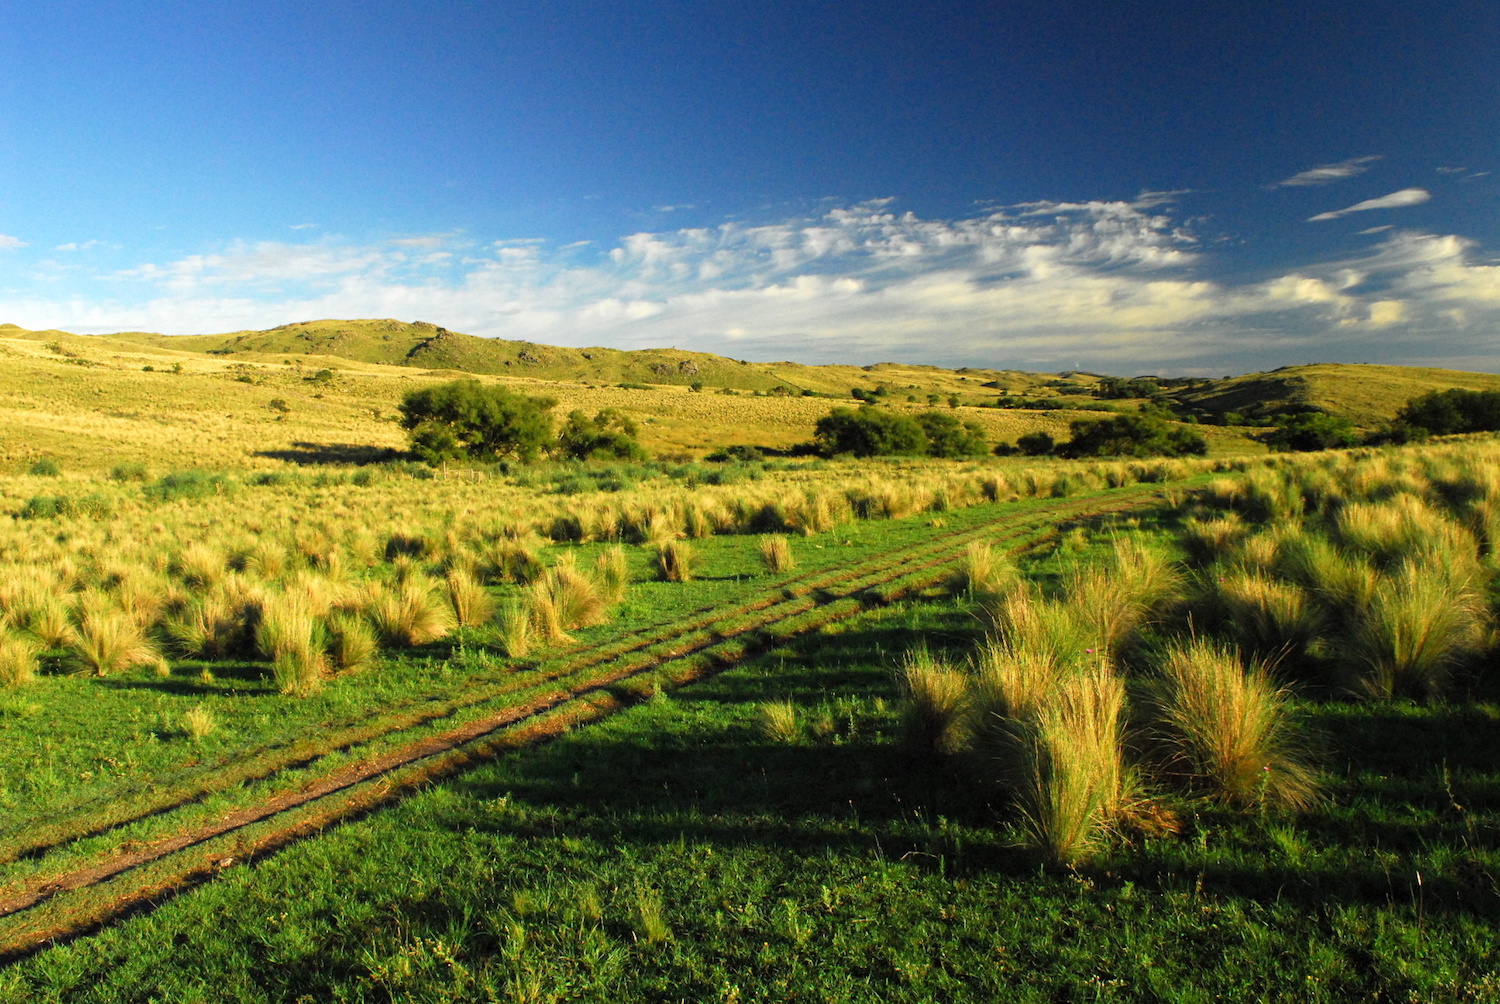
188,485
45,468
1445,412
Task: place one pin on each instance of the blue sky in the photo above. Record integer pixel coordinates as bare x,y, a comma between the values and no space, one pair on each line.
1177,187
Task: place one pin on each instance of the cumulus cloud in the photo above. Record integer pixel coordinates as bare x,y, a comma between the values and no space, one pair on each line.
1327,174
1046,285
9,243
1405,197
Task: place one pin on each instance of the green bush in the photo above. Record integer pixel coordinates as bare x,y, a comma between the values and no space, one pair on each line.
45,468
466,419
609,434
1145,434
188,485
1312,431
129,471
1444,412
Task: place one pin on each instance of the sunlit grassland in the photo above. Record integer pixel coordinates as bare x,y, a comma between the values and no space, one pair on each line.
680,851
92,405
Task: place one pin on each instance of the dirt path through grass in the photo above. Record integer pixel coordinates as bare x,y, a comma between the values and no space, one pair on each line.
61,902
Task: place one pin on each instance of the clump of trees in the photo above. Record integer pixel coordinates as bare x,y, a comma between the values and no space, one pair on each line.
1446,412
875,432
608,435
469,420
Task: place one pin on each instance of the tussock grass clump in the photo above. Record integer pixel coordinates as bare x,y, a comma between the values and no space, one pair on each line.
293,637
199,565
107,640
1114,599
198,722
778,722
216,623
352,643
1228,728
1420,623
512,561
934,701
1268,616
776,553
410,613
676,560
612,574
1206,541
984,576
513,630
1068,758
18,663
50,621
472,605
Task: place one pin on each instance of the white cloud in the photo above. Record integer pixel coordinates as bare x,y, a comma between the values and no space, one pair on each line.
1396,200
1327,174
76,246
9,243
1107,285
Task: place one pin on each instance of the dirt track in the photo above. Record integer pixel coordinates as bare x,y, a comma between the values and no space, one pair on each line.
63,903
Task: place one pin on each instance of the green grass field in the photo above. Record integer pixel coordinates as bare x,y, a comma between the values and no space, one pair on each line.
714,793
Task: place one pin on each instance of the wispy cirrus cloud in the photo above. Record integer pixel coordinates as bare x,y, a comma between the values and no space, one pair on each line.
1103,284
1396,200
1327,174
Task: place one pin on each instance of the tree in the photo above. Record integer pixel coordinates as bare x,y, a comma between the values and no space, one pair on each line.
1145,434
1036,444
608,434
1314,430
948,437
1444,412
869,432
468,419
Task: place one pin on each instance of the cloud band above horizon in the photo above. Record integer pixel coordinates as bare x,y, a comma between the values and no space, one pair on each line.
1112,286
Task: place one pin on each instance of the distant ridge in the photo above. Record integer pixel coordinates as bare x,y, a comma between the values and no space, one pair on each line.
1367,394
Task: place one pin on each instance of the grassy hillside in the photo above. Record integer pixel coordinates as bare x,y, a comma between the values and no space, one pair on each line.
171,402
427,346
1368,395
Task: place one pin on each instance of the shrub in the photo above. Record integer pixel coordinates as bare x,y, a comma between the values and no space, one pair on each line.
675,560
45,468
1312,431
129,471
609,434
1229,729
188,485
868,432
1147,434
948,437
468,419
1036,444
